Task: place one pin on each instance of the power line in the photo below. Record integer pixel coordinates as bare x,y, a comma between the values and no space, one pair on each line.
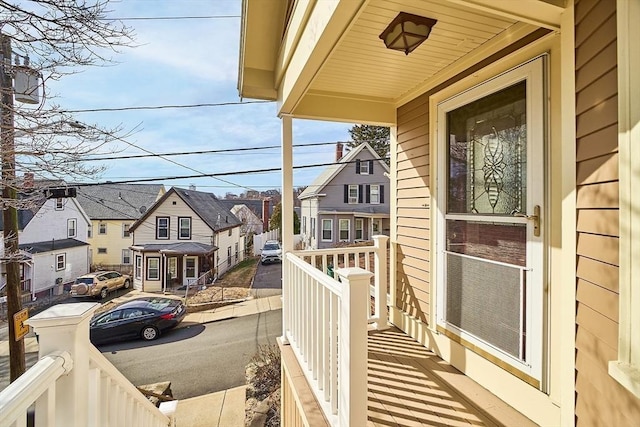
185,153
163,107
214,175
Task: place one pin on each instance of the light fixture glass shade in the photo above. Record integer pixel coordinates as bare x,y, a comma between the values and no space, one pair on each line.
406,32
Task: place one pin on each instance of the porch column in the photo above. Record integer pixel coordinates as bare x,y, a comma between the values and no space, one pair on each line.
287,209
380,281
65,327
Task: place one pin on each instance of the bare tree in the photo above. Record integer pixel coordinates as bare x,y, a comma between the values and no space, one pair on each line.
48,40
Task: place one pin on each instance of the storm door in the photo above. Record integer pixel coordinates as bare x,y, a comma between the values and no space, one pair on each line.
490,198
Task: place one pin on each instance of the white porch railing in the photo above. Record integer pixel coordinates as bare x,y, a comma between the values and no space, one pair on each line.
372,258
325,322
73,385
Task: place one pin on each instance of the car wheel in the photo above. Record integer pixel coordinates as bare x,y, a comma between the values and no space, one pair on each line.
126,284
103,293
149,333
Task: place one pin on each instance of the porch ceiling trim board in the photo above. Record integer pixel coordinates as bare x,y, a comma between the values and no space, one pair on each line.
338,108
327,24
542,13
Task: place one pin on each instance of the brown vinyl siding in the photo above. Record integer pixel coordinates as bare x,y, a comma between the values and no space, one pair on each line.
600,400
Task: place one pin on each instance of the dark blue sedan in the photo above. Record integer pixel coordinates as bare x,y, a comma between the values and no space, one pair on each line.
144,318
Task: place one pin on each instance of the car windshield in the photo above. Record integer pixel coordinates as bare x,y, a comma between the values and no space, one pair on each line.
271,247
85,280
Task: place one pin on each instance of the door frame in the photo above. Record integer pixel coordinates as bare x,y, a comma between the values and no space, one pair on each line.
534,73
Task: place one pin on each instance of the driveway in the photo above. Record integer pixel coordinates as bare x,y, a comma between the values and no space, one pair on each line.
268,281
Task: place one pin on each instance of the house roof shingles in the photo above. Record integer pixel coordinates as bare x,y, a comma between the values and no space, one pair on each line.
117,201
51,245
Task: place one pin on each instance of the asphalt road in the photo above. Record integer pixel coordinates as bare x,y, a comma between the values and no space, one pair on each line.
268,280
198,359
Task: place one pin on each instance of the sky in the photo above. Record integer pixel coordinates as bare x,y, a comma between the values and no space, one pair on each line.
186,62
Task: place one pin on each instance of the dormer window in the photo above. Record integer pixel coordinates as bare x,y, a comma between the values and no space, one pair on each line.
364,168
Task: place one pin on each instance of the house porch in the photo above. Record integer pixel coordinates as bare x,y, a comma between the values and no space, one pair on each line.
407,385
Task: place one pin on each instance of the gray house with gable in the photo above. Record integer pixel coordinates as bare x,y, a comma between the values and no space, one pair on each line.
348,202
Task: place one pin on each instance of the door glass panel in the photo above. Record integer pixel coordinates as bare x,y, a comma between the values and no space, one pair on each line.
191,267
487,154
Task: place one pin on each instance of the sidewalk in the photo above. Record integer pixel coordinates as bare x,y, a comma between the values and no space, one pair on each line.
221,409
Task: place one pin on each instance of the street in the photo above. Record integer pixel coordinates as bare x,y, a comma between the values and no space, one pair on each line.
197,359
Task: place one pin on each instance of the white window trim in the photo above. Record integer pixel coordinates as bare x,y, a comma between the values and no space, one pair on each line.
340,230
59,204
371,187
101,251
138,267
158,228
330,230
180,219
75,227
100,228
354,200
155,259
128,251
362,171
64,261
626,370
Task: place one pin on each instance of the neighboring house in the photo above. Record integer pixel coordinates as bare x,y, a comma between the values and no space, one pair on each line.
113,208
253,213
348,202
514,176
183,236
52,239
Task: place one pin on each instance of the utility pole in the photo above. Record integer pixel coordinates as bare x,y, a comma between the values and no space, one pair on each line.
9,212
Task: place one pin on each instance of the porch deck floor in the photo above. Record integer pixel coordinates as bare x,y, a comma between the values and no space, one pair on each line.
409,385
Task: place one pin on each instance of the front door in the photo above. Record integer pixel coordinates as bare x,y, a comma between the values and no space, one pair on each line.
490,198
190,269
172,271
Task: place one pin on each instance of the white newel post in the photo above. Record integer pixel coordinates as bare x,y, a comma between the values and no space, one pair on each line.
380,280
65,327
352,346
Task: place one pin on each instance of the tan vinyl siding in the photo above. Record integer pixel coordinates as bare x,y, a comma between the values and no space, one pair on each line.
600,400
413,200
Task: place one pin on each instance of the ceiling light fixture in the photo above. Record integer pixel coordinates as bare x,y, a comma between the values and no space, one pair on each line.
406,32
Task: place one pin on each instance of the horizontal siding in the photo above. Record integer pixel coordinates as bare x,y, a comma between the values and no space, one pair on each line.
413,201
600,400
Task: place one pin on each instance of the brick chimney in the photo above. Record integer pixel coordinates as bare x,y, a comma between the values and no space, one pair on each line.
27,180
339,147
265,215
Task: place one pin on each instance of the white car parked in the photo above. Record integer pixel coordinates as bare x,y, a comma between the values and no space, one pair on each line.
271,252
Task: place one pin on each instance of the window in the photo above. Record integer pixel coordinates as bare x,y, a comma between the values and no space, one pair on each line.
236,252
374,193
375,226
153,268
229,255
344,225
184,228
353,193
626,369
359,228
138,270
61,262
102,250
327,230
126,256
90,231
313,227
364,168
304,225
125,230
102,228
162,228
71,228
230,231
59,204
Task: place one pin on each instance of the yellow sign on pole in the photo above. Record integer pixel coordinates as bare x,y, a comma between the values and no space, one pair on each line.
18,323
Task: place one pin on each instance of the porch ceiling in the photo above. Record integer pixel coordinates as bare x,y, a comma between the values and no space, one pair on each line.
345,73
